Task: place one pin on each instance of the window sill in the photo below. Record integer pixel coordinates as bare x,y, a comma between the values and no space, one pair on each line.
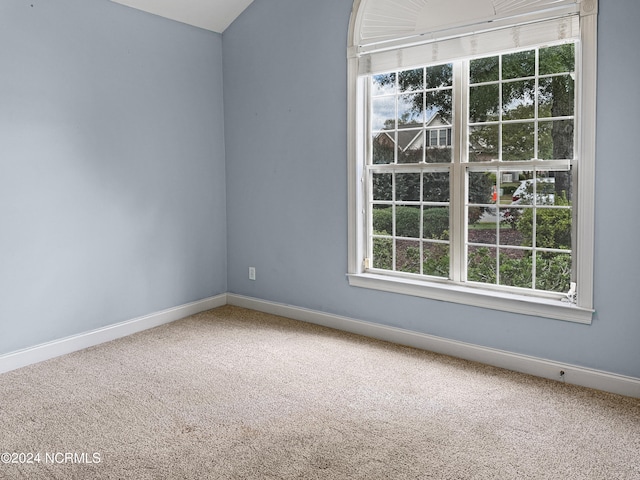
507,302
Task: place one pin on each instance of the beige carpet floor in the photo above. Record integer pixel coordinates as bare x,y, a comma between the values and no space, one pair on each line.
236,394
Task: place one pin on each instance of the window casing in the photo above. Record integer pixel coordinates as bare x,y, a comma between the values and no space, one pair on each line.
460,164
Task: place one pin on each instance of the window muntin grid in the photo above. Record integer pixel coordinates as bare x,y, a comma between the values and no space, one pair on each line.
518,126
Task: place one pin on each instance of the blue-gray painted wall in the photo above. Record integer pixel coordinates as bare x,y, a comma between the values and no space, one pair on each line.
284,66
112,183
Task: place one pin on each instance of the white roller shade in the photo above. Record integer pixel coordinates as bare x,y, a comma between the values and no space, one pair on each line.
452,45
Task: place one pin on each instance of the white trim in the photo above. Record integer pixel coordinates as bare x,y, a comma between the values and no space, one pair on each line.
477,297
49,350
586,115
573,374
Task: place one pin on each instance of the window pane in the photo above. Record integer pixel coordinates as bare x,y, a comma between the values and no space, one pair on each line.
563,187
556,96
516,268
518,141
435,223
439,106
383,146
481,265
553,228
553,271
382,220
519,64
383,253
557,59
435,187
382,186
484,103
410,110
383,84
440,75
409,80
509,181
438,154
515,228
408,187
481,186
523,194
435,259
383,113
483,143
482,226
407,221
518,100
408,256
410,146
555,140
484,70
545,189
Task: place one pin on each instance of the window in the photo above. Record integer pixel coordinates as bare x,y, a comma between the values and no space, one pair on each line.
439,137
471,154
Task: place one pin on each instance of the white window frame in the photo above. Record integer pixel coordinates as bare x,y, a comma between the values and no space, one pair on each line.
361,43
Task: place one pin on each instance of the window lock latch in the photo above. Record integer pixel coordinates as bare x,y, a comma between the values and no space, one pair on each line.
572,295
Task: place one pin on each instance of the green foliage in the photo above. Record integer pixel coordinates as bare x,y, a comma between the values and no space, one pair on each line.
436,222
383,221
411,261
480,187
516,272
553,272
509,188
519,64
553,226
382,152
408,187
484,70
382,252
557,59
436,260
481,266
408,222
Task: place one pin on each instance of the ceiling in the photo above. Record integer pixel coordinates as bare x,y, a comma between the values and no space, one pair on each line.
215,15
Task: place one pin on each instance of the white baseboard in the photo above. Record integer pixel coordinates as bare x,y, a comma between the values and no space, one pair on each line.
46,351
573,374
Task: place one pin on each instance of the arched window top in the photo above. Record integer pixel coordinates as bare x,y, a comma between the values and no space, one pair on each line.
386,24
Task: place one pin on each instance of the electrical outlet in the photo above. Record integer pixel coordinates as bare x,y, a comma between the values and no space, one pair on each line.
252,273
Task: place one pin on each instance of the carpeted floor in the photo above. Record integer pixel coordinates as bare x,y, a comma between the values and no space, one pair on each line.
236,394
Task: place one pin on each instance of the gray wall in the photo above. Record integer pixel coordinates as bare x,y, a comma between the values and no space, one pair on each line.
285,121
112,183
